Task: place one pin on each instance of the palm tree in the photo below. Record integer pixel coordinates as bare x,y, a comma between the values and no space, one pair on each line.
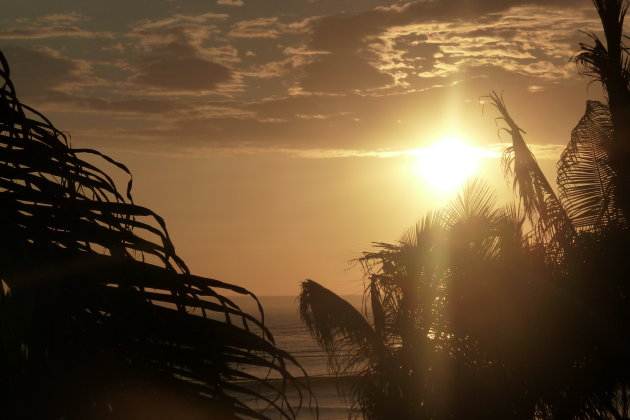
468,312
431,347
99,317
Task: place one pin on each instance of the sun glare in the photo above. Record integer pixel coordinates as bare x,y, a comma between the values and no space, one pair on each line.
446,164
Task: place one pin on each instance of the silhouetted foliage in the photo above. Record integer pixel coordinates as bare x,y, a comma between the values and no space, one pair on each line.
99,317
472,316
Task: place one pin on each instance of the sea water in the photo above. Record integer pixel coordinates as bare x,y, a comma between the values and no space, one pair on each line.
291,335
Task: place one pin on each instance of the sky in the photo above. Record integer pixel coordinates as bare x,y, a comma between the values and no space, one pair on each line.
280,139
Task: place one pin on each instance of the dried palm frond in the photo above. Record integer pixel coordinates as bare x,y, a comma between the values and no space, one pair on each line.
98,314
540,203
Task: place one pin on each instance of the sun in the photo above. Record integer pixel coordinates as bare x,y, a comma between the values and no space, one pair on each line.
446,164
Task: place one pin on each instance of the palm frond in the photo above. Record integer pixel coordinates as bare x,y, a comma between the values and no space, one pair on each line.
610,65
344,333
407,275
426,231
510,229
99,300
540,203
476,200
585,177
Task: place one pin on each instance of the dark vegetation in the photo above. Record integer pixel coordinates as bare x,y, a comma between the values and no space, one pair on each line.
522,312
99,317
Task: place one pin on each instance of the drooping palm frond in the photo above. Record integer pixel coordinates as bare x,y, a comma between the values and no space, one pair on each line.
344,333
98,314
540,203
585,177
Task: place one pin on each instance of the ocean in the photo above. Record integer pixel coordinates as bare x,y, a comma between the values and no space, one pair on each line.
291,335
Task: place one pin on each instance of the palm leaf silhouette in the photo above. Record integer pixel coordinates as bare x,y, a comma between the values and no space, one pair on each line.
540,203
610,65
99,317
340,328
585,177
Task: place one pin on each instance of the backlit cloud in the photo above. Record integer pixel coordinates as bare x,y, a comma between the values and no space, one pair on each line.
417,40
236,3
172,54
269,27
492,151
51,26
311,77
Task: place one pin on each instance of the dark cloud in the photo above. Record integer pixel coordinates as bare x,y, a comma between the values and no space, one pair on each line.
345,33
342,73
182,73
172,55
38,71
44,77
139,106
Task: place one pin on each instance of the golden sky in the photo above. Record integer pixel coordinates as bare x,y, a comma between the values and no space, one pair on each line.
279,138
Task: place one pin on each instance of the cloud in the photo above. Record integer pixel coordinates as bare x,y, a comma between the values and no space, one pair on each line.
179,19
182,29
180,70
319,125
37,71
236,3
342,73
51,26
403,43
343,85
138,107
171,54
530,40
491,151
269,27
256,28
295,58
